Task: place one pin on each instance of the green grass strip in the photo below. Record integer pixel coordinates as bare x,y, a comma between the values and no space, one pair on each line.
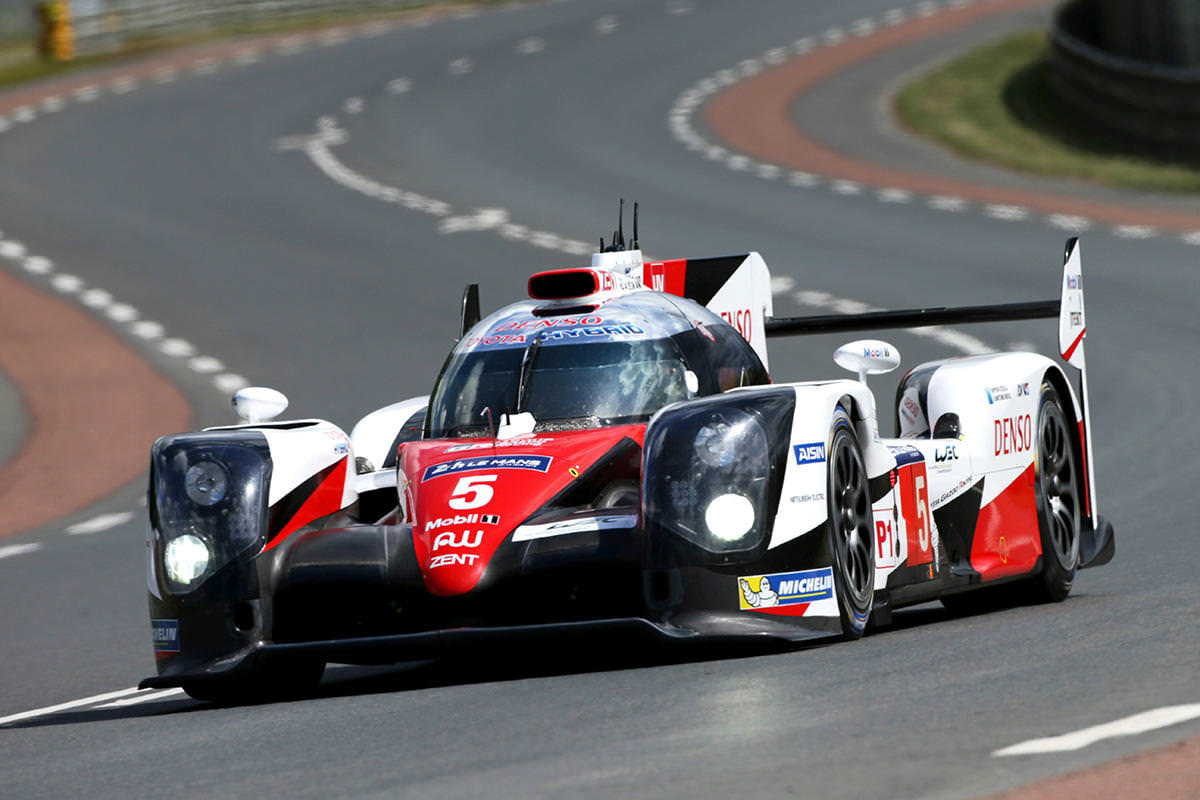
996,104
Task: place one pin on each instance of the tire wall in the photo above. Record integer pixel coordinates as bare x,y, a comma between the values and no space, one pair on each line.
1132,68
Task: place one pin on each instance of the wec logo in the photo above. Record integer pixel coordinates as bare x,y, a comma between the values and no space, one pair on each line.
811,453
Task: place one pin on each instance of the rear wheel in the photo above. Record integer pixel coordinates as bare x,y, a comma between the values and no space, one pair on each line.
1060,517
850,528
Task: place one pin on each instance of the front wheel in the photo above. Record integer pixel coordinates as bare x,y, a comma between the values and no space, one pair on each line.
850,527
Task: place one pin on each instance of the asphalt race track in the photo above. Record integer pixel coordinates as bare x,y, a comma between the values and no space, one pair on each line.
304,212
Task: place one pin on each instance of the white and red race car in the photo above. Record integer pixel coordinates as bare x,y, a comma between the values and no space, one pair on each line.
612,455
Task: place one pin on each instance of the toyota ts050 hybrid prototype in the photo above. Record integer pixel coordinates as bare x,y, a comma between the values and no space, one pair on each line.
612,454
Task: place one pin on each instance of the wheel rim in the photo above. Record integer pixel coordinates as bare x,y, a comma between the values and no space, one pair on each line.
852,521
1058,483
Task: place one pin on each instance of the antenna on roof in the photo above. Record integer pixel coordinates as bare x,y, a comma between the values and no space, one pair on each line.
619,239
634,246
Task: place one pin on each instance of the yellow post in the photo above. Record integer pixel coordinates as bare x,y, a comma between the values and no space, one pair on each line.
56,39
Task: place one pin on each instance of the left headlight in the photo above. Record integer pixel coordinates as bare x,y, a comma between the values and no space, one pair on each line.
208,503
711,471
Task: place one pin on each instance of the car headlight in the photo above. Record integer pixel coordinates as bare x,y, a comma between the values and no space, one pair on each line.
205,482
186,559
729,517
208,503
713,468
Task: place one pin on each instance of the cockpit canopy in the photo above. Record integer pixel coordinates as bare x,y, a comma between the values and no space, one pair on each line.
615,365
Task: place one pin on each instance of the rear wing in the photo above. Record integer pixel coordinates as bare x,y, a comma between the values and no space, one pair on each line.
1072,330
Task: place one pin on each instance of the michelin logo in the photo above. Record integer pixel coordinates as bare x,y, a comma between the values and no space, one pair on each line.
532,462
785,589
166,635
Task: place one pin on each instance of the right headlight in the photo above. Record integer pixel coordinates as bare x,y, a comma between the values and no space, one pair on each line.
713,467
208,503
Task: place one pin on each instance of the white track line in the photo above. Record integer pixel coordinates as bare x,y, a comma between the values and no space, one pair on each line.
100,523
19,549
83,701
1144,722
149,697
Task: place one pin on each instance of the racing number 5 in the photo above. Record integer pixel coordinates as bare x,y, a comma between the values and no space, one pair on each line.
922,513
472,491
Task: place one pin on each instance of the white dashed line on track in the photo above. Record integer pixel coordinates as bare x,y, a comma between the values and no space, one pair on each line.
123,85
605,25
53,104
67,706
100,523
354,105
399,86
38,265
67,284
23,114
460,66
10,550
1133,725
205,66
177,348
149,696
533,44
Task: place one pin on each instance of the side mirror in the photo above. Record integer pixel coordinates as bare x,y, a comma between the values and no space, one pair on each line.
256,404
867,357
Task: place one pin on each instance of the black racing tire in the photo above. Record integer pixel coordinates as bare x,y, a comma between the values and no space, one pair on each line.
851,527
272,680
1059,493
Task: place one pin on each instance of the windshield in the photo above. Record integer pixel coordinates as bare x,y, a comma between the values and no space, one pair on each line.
566,386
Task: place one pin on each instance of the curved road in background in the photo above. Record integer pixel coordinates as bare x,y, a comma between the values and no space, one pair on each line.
303,213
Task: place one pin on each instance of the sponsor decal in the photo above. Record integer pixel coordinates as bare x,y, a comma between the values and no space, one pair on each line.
887,546
527,533
451,539
492,340
549,322
816,497
949,494
453,560
811,453
462,519
1013,434
876,352
785,588
1076,319
574,471
658,276
948,452
626,329
1074,281
740,320
341,449
1022,390
166,635
498,444
532,462
997,394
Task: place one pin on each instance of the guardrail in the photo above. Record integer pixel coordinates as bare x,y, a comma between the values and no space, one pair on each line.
102,25
1147,104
